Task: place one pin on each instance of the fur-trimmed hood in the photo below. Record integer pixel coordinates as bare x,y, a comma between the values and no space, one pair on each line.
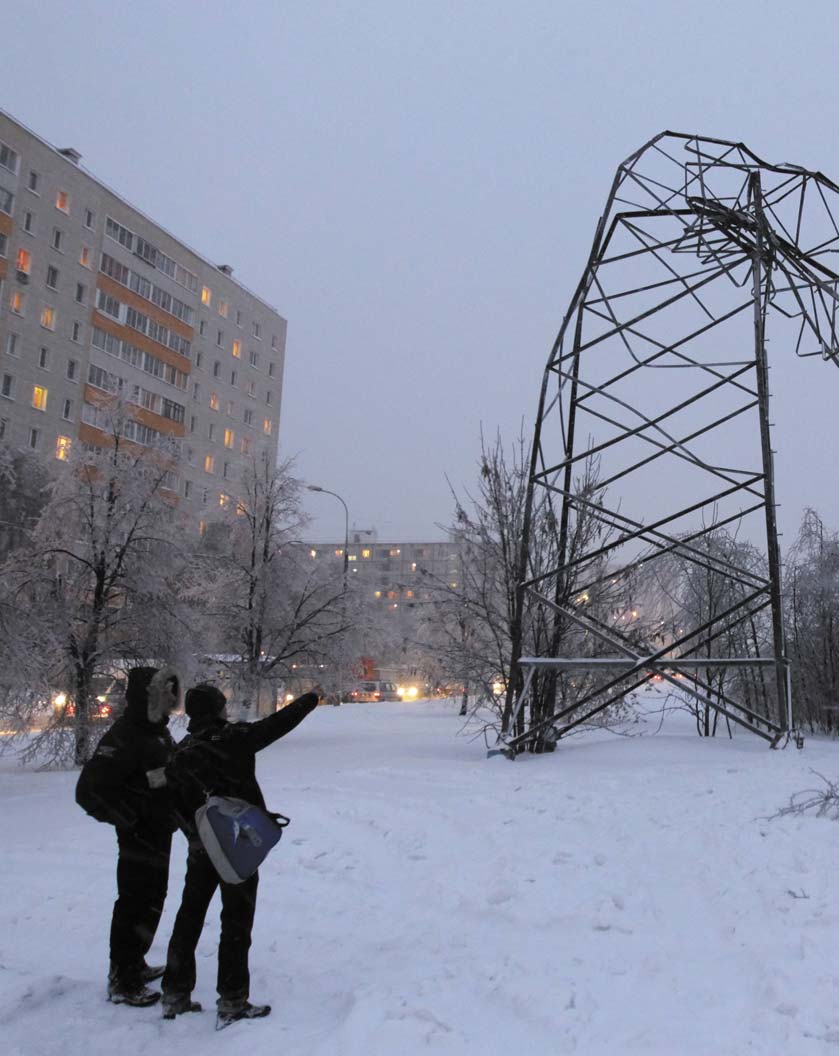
164,695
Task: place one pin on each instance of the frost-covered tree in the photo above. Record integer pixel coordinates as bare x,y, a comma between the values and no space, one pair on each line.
95,581
272,605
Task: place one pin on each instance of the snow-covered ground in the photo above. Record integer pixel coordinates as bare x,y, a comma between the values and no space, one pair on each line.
623,895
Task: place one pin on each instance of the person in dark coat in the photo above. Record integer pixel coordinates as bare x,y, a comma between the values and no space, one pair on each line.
218,758
124,785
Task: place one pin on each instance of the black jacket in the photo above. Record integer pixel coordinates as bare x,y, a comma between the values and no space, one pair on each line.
113,786
219,758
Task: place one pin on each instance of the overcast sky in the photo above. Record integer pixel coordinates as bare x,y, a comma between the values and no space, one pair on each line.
415,186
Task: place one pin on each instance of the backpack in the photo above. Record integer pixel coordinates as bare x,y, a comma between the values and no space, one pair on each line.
237,836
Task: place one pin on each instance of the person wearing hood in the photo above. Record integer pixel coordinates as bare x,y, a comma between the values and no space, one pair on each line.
218,758
124,785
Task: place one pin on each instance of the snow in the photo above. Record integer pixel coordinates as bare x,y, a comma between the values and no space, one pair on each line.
622,895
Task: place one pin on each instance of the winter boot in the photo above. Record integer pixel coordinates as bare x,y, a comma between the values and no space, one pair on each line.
178,1004
150,972
231,1011
136,994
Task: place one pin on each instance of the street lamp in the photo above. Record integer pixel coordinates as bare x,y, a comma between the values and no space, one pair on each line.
335,495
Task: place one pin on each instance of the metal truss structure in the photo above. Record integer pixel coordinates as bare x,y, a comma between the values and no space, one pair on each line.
659,375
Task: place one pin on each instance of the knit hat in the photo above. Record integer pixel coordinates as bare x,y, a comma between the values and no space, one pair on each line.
204,701
139,679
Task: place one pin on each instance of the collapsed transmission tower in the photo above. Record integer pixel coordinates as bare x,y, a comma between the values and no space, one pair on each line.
659,379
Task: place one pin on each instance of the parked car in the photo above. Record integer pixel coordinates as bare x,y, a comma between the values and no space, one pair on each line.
109,697
373,691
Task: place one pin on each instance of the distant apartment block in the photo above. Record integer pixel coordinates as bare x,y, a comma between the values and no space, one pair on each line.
96,301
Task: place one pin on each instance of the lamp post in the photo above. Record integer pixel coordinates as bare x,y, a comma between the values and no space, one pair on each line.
335,495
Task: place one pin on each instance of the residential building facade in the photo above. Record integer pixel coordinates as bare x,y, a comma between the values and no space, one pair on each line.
97,301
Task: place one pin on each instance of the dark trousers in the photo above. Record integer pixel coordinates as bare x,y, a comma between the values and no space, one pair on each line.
142,880
238,904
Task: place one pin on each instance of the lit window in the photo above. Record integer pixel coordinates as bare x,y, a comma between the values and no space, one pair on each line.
224,501
48,317
313,553
339,553
39,398
228,438
352,557
413,566
377,593
409,593
18,302
209,464
365,553
214,402
62,201
24,261
84,257
395,553
237,348
267,426
202,527
206,295
63,445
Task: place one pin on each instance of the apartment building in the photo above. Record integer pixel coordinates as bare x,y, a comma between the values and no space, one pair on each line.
98,301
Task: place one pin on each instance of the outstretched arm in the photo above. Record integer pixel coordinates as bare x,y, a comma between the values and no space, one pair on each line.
266,731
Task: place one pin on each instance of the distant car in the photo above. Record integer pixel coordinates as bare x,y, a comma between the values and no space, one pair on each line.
373,691
109,697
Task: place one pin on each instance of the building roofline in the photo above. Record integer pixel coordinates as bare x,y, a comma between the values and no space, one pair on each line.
78,167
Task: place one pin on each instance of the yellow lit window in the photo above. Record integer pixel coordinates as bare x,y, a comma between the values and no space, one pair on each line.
228,438
206,295
365,553
409,593
352,557
237,348
209,464
224,501
339,553
24,261
18,302
62,201
392,594
48,317
267,426
223,308
413,566
39,398
63,444
214,404
377,593
313,553
395,553
454,585
84,257
202,527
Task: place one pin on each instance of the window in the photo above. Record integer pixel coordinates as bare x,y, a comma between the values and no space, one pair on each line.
63,446
196,390
209,464
77,332
225,472
246,445
7,200
192,424
231,409
67,411
187,488
4,423
267,426
57,238
62,201
268,396
202,326
72,369
211,431
198,357
224,501
84,257
229,438
252,389
365,554
34,439
220,339
394,553
8,158
34,180
237,348
216,368
23,263
274,341
18,302
254,356
214,401
223,308
248,416
256,329
233,377
270,370
89,219
238,316
44,358
4,245
206,295
119,233
52,277
190,455
81,292
28,222
13,344
39,397
48,317
108,304
7,387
